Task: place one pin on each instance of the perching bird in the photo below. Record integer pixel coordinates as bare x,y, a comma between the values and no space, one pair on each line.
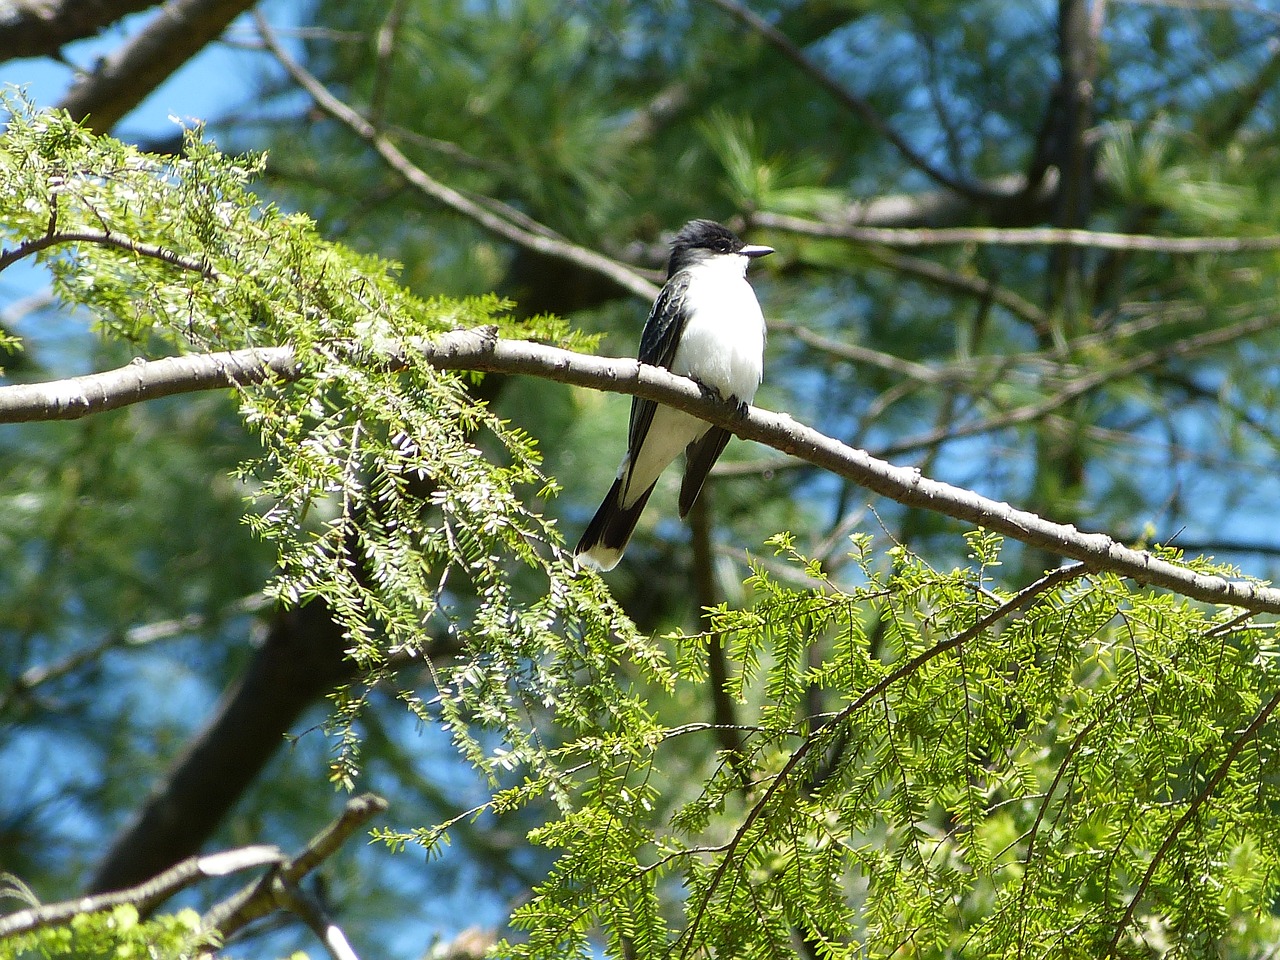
706,325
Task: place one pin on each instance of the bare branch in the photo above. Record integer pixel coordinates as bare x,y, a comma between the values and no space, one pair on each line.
975,286
1017,237
1188,346
541,241
1011,199
307,905
271,892
144,896
482,350
856,353
121,81
143,380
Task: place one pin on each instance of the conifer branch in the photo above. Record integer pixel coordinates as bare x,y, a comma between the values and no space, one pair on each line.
54,238
1193,808
1018,601
482,350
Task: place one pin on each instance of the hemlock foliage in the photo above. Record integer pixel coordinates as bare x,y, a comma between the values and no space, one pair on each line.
1093,774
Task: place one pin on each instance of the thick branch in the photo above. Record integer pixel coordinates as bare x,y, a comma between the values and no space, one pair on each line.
142,380
124,79
481,350
39,28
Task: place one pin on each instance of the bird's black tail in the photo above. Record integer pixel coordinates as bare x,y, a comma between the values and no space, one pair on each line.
610,529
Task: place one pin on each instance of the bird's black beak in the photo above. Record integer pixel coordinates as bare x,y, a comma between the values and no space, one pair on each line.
753,252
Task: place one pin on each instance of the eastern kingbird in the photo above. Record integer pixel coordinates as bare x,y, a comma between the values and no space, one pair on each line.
706,325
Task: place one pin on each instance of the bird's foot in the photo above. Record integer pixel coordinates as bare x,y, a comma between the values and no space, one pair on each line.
708,391
740,407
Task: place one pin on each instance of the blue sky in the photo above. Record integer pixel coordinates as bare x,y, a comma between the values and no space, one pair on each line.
216,80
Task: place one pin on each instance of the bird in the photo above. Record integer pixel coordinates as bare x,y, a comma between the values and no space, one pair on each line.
706,324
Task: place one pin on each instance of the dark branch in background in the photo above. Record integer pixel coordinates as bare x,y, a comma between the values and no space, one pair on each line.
385,50
482,350
39,28
145,896
180,30
724,714
542,240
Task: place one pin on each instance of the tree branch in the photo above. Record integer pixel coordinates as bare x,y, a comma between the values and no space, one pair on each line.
541,240
54,238
121,81
145,896
482,350
1185,347
143,380
272,891
1016,237
39,28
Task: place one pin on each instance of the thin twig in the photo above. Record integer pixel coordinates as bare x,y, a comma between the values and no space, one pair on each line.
1193,808
981,287
847,99
1188,346
1018,601
538,241
1016,237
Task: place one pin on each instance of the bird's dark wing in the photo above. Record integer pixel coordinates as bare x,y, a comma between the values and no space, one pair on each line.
657,348
700,456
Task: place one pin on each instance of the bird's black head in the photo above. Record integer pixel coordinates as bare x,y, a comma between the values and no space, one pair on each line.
702,238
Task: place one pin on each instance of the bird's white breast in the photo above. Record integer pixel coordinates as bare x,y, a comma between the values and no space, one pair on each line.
723,341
